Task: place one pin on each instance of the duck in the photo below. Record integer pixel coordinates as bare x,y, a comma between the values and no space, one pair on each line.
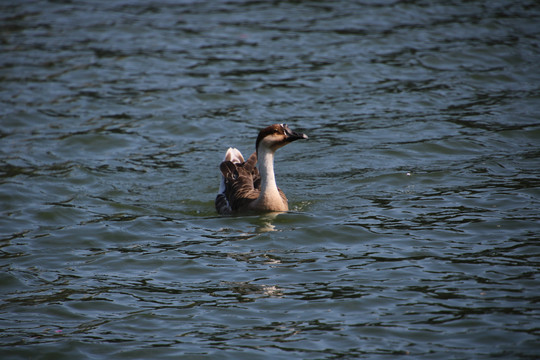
246,188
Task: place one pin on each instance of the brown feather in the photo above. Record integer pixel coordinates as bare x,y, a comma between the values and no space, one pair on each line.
239,185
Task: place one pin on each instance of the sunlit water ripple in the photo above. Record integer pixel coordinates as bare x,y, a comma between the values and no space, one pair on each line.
415,203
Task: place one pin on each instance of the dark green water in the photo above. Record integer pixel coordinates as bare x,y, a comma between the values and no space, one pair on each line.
415,219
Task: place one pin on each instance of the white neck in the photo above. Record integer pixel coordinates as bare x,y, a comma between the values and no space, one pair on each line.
265,158
269,198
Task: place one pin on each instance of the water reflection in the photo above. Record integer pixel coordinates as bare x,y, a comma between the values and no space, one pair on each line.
266,223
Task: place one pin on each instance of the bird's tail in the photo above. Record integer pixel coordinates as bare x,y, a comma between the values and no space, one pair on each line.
222,204
235,156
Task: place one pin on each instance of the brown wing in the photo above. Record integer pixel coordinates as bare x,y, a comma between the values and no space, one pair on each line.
251,165
240,185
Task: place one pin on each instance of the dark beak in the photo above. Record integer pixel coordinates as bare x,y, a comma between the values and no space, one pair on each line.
292,135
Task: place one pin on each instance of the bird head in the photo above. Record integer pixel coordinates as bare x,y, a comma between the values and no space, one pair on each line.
275,136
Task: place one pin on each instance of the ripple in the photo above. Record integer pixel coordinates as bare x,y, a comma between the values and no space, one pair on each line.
414,203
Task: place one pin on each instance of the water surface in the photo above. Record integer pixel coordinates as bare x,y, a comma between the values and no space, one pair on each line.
415,203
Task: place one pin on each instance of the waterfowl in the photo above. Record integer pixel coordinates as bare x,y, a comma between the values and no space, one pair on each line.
243,187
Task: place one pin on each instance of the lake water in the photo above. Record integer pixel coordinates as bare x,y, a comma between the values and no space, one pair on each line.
415,203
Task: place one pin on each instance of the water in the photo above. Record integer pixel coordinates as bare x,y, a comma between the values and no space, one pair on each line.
415,203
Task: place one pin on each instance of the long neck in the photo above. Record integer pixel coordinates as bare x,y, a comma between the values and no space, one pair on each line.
269,189
269,199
